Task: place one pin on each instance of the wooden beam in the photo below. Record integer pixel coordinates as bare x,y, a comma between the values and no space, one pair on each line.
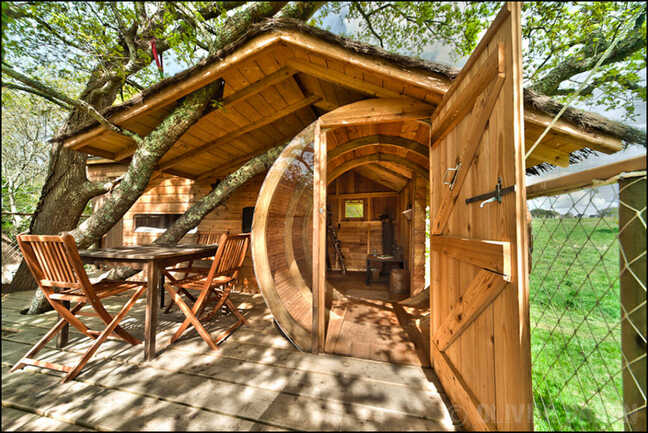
396,169
483,290
481,116
357,162
220,141
379,110
217,172
547,153
248,91
99,152
483,43
345,80
364,195
494,256
594,140
574,181
184,174
371,140
258,86
172,93
386,174
452,110
372,172
459,392
436,84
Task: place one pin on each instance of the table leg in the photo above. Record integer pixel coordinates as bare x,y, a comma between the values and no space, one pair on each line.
368,273
150,323
162,291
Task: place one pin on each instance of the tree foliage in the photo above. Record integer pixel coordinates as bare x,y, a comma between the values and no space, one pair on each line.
562,41
27,123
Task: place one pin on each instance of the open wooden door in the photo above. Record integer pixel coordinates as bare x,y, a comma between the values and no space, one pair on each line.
479,323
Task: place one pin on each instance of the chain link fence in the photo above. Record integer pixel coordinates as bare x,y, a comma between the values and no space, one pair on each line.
588,307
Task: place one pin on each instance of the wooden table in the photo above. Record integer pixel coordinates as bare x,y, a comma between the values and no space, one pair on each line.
381,259
153,258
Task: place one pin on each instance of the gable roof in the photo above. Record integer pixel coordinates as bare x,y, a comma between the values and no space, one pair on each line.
310,47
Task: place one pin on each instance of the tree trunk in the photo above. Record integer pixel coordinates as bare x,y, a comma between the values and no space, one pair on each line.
76,195
192,217
59,209
67,191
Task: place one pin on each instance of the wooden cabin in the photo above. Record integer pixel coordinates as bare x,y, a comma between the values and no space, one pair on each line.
375,139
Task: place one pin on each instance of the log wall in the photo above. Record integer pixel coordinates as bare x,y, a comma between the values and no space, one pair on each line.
174,195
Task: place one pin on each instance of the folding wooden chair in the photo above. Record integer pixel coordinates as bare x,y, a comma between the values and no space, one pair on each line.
201,266
223,272
57,268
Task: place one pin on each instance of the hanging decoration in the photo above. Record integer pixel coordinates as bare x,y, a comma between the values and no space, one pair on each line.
158,59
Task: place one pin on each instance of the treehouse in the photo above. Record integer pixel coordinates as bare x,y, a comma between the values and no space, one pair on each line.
376,143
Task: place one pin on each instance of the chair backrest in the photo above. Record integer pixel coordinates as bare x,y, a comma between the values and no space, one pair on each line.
230,255
206,238
54,261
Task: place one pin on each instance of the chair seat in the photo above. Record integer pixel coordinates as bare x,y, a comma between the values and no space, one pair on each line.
198,282
103,289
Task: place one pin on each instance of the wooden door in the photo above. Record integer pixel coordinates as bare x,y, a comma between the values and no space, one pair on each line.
479,280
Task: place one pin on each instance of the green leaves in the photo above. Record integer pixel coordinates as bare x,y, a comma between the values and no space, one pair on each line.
561,40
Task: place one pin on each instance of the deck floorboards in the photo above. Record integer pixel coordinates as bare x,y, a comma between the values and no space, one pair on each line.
256,381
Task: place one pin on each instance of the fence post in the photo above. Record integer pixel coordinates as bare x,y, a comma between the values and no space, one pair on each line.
632,238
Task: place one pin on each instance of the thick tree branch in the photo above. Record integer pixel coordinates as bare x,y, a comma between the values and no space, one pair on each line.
152,148
93,189
37,93
192,217
598,82
586,58
74,102
215,9
237,24
300,10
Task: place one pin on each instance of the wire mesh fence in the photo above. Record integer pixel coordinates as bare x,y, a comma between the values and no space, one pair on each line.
588,307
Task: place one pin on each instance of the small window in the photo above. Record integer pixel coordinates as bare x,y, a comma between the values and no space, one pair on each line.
353,208
154,222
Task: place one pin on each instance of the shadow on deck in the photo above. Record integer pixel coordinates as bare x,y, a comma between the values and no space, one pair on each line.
256,381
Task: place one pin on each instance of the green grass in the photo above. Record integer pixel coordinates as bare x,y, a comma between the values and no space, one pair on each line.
575,333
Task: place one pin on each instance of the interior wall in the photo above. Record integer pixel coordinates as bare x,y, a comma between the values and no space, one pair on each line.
360,237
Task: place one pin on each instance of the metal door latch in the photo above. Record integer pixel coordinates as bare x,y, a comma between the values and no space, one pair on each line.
492,196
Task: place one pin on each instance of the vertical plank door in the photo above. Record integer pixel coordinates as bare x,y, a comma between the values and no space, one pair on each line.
479,327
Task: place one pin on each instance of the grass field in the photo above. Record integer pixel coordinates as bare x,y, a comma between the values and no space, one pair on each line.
575,329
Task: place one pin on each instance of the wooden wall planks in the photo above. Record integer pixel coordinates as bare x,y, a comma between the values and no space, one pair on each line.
175,195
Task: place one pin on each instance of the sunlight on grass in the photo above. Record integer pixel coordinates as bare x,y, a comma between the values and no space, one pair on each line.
575,329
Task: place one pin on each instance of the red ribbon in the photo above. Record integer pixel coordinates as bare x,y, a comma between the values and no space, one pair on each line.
156,56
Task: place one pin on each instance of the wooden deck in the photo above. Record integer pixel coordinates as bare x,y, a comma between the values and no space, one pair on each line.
257,381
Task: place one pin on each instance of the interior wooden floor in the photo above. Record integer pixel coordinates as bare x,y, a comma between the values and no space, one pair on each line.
371,324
